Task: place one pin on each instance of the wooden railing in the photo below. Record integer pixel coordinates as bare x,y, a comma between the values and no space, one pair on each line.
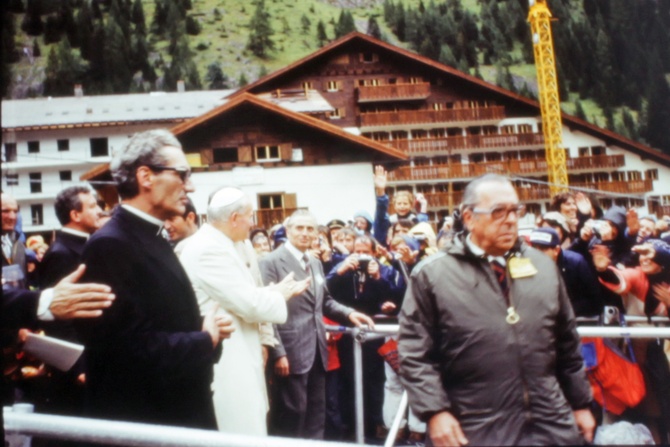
425,146
441,199
389,92
456,170
268,218
431,116
659,210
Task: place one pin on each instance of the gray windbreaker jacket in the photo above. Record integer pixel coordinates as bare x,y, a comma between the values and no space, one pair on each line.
506,384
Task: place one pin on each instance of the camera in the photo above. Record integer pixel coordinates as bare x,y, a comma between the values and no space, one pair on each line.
611,316
363,262
597,226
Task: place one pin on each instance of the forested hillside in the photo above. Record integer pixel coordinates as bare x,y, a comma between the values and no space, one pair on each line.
613,55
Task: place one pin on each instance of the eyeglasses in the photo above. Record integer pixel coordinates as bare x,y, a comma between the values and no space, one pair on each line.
183,173
500,212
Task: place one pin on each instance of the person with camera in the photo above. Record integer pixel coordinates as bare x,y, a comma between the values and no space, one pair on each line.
363,283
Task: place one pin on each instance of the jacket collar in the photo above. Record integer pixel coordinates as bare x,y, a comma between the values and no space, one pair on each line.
459,247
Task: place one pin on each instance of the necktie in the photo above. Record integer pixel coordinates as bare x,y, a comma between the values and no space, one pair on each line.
308,269
501,276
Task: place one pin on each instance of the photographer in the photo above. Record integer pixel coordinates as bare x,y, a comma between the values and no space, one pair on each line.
363,283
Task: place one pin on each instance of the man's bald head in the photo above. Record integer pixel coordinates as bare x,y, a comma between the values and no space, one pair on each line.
10,210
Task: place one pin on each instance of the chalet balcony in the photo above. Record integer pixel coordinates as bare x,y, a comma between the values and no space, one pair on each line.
270,217
441,199
660,210
522,167
406,118
428,147
393,92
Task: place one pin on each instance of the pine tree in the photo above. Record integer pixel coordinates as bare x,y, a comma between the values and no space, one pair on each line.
579,111
215,78
447,56
32,21
658,114
321,35
305,24
373,28
345,24
84,24
137,16
260,32
37,52
52,29
242,81
193,27
117,58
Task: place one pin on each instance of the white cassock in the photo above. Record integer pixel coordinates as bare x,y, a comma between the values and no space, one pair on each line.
225,272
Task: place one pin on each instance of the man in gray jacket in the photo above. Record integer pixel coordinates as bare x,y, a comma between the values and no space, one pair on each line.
488,347
301,356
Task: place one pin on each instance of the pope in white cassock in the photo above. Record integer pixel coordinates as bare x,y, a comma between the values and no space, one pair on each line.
222,266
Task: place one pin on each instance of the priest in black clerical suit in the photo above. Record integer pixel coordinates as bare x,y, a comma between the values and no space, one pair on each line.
149,357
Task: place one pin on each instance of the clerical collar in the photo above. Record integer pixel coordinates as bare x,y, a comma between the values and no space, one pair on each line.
295,252
478,251
144,216
74,232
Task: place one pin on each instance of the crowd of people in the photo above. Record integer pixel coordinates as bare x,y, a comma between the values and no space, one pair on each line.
219,324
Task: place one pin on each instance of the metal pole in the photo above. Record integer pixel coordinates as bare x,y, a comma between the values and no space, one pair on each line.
393,431
130,434
18,439
583,331
358,385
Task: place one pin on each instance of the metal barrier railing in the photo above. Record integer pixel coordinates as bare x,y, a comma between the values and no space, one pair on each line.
361,335
21,424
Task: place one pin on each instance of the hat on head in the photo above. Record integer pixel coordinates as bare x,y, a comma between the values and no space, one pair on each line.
558,219
226,196
279,236
335,223
544,237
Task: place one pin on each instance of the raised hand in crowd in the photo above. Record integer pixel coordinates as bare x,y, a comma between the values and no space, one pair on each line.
380,178
601,257
583,204
423,203
632,222
662,292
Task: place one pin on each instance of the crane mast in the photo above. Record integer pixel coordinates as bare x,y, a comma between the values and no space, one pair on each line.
539,17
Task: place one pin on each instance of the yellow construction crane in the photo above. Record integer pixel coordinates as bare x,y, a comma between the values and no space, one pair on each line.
539,17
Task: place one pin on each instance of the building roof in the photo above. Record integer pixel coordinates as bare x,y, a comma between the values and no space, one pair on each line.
299,118
297,68
107,110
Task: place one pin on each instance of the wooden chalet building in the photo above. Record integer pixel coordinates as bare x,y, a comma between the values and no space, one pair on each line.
452,127
283,159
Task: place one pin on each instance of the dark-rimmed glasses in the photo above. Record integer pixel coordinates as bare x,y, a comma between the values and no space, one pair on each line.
183,173
500,212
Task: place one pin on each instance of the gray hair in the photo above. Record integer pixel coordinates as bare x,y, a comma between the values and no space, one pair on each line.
68,200
223,213
471,193
143,149
298,213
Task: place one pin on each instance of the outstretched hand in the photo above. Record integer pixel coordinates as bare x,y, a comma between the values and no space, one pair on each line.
72,300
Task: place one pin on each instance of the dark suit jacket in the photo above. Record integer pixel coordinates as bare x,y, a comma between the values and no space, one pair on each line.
305,312
147,357
62,258
19,308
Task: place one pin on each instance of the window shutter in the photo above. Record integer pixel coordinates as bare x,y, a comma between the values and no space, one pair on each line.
244,154
207,157
290,201
286,151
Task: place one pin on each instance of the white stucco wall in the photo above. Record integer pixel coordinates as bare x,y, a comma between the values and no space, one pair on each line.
334,191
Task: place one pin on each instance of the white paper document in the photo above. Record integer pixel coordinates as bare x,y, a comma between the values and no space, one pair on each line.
58,353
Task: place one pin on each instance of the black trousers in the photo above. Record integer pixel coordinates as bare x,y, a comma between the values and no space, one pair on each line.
299,403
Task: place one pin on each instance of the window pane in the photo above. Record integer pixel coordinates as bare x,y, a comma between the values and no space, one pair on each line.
33,147
37,214
99,147
10,152
225,155
63,145
35,182
65,176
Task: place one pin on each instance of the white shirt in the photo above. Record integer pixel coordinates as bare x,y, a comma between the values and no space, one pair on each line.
477,251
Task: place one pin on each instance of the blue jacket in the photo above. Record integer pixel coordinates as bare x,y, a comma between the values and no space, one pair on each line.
582,284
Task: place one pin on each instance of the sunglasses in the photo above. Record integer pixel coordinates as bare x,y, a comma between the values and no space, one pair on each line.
500,212
183,173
